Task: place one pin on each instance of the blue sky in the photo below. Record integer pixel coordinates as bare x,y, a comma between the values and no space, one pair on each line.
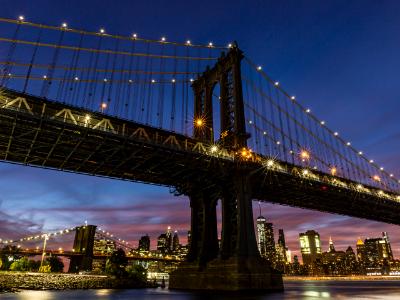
340,58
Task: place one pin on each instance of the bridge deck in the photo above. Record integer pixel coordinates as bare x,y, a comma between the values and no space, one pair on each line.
42,133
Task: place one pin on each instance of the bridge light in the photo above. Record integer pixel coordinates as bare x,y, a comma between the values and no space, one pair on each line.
333,171
130,80
199,122
153,81
44,76
270,163
293,98
64,25
391,175
102,30
371,161
305,155
76,78
276,83
188,42
250,122
229,45
322,122
308,110
163,39
348,144
381,168
103,105
305,172
173,80
259,68
380,193
21,18
134,35
398,198
336,133
264,133
278,142
214,148
376,178
210,44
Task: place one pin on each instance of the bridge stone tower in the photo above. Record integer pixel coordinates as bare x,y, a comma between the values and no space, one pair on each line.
234,264
226,73
83,248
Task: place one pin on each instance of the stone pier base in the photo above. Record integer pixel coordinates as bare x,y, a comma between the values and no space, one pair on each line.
234,274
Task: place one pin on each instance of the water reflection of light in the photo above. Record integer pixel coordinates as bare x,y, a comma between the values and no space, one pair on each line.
43,295
316,294
103,292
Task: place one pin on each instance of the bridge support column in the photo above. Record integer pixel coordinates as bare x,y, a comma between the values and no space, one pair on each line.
83,247
239,266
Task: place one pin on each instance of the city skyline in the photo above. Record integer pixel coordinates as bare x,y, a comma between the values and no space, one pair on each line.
312,67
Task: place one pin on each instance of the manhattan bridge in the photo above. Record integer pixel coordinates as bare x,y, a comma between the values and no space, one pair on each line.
203,120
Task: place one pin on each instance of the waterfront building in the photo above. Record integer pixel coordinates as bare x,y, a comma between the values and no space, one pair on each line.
168,236
333,262
144,243
162,243
310,247
103,246
175,242
266,241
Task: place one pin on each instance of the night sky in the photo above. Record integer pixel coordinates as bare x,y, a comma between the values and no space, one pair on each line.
340,58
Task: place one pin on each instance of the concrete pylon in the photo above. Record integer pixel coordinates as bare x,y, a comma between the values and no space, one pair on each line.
239,265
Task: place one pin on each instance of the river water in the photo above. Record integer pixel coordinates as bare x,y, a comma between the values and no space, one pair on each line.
293,290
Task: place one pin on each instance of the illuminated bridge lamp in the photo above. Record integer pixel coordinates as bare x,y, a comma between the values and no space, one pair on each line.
304,155
199,122
214,148
333,171
376,178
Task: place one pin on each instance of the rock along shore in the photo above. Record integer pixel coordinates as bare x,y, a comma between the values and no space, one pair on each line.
11,281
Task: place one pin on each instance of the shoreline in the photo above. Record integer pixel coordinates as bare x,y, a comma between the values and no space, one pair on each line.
14,281
342,278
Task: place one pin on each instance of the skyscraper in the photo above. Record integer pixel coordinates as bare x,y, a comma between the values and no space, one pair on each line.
266,241
162,243
281,252
144,243
388,248
310,246
175,242
168,237
261,234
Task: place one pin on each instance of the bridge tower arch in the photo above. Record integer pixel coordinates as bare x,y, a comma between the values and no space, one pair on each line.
227,73
83,248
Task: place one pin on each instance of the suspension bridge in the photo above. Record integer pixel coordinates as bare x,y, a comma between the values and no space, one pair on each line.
83,251
202,119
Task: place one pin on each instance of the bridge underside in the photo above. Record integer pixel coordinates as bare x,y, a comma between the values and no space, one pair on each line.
136,152
41,133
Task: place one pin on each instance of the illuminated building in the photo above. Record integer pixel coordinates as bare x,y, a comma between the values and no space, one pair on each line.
103,246
310,247
282,252
144,243
175,242
162,243
266,241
